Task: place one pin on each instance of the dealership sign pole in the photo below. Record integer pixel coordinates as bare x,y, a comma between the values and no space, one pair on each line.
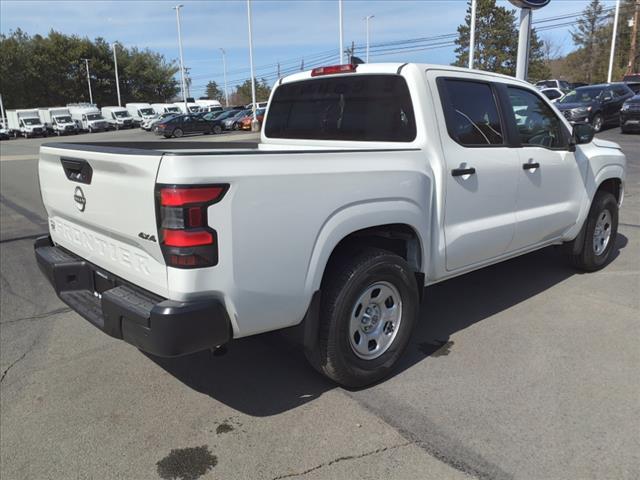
472,33
526,6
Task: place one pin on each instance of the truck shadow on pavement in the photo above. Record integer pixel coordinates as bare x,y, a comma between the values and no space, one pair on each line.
267,374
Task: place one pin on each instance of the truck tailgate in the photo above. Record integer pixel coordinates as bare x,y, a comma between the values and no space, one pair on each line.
101,206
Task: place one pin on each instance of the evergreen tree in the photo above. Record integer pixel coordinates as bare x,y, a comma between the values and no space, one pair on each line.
497,42
213,91
589,36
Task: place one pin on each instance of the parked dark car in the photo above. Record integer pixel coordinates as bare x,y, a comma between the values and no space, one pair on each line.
630,115
185,124
597,105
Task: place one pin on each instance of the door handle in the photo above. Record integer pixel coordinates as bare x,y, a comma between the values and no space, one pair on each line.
77,170
530,166
458,172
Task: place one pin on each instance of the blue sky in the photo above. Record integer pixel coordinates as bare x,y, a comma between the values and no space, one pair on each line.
284,31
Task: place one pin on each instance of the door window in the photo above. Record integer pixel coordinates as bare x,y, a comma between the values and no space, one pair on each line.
536,122
471,113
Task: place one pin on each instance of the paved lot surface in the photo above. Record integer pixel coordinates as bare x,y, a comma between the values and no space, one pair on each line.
524,370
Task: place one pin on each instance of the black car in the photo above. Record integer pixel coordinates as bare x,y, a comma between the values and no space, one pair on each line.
595,104
633,82
630,115
192,123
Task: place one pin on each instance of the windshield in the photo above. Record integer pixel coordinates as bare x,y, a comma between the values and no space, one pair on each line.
147,111
31,121
121,114
546,83
94,116
173,109
194,109
261,111
63,119
582,95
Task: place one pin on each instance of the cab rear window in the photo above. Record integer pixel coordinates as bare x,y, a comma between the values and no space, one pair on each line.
370,108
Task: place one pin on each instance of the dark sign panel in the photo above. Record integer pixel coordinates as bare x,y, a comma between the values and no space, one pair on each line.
532,4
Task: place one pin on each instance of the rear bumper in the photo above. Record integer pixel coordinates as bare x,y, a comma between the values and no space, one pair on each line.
165,328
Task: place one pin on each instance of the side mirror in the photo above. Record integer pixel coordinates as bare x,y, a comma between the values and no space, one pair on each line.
583,133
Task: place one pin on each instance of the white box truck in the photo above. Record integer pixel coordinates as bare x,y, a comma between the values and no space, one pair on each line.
25,123
161,108
140,112
118,117
57,120
88,117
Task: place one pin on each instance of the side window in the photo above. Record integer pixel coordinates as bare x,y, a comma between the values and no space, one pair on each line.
621,91
471,113
536,122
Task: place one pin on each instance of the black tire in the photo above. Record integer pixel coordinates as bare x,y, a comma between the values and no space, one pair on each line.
178,133
587,258
167,136
236,126
344,283
217,129
598,122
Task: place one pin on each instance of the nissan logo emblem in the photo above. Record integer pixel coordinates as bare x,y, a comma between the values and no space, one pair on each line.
78,197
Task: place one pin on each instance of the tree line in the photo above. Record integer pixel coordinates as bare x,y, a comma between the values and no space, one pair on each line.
45,71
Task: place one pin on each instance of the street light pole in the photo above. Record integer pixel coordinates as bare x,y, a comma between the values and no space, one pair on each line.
613,41
4,120
472,36
367,18
254,120
115,63
340,28
224,70
86,63
184,86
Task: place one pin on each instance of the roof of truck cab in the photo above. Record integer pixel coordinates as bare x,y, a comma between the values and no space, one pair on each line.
396,68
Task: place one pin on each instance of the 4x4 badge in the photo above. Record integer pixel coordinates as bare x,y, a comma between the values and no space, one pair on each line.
146,236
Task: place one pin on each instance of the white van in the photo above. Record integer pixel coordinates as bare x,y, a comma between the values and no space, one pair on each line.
161,108
118,117
57,120
207,105
140,112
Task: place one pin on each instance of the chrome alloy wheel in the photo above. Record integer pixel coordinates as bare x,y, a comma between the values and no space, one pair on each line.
375,320
602,232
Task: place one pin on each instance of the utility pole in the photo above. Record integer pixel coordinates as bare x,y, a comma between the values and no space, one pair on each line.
278,71
634,39
302,65
184,87
224,70
254,120
472,36
86,63
613,41
522,64
340,29
187,81
367,18
115,63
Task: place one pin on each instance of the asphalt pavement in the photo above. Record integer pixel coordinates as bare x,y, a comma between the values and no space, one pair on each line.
524,370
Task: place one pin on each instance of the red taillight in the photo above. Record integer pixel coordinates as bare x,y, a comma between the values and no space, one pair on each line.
186,239
316,72
177,196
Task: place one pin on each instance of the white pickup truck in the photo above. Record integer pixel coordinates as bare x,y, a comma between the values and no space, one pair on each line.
370,182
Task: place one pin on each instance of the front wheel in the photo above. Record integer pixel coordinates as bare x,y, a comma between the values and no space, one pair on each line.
368,309
597,122
217,129
601,230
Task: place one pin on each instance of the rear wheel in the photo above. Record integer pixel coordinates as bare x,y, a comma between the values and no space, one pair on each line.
597,122
368,309
178,133
601,230
217,129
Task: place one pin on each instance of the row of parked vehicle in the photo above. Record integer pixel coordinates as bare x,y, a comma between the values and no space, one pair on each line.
196,116
598,105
